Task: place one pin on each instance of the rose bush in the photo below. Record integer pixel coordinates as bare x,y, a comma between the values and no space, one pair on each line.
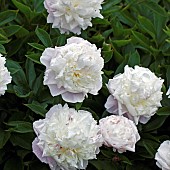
119,132
66,138
72,15
125,42
72,71
136,94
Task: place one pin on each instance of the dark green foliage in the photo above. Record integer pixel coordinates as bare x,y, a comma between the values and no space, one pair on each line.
133,32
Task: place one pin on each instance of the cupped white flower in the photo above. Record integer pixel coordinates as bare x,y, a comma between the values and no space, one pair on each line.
66,138
163,155
168,92
5,77
72,15
119,132
73,70
135,94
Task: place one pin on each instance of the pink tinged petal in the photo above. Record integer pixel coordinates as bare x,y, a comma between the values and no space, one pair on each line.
49,77
38,152
129,116
73,97
47,56
111,104
50,18
121,109
55,91
144,119
37,126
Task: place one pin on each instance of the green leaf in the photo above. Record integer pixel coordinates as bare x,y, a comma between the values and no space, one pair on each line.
126,17
107,55
117,56
108,72
134,59
37,46
14,46
140,38
12,66
164,111
7,16
167,31
168,75
12,29
107,153
22,140
121,43
154,124
147,26
156,8
120,68
101,21
44,37
39,6
30,72
4,137
109,4
26,10
146,60
3,37
35,57
18,75
20,126
159,23
78,105
22,33
148,144
124,159
37,108
14,163
61,40
2,49
104,164
21,91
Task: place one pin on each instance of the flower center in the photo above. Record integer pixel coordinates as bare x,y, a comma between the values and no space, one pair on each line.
76,75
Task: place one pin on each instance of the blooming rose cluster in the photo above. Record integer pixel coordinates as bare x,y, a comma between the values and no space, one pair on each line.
72,15
66,138
119,132
5,77
163,156
135,94
73,70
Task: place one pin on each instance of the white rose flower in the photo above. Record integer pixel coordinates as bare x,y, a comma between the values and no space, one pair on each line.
73,70
66,138
163,156
135,94
168,92
119,132
5,77
72,15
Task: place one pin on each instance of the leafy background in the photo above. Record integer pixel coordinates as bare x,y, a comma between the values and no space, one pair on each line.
133,32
